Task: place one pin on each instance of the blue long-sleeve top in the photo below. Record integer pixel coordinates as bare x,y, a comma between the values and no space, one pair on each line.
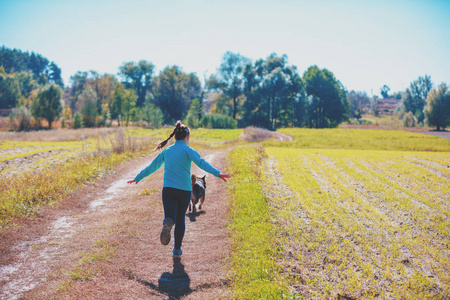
177,170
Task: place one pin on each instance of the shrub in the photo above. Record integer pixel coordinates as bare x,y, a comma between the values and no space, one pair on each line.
99,121
108,121
194,116
149,116
409,120
218,121
78,121
255,134
20,119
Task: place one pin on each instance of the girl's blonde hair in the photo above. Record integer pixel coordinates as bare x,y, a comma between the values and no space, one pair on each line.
180,132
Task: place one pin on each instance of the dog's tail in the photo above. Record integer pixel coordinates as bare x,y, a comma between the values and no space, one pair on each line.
193,179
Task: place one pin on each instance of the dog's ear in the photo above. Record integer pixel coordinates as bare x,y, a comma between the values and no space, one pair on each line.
203,178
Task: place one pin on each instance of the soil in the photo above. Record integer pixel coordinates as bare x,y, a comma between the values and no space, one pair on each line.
42,258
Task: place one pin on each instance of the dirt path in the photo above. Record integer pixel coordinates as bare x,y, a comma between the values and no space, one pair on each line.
441,134
103,243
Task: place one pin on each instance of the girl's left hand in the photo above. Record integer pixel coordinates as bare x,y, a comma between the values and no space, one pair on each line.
224,176
132,181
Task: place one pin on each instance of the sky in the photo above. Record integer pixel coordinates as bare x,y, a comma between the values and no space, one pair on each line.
366,44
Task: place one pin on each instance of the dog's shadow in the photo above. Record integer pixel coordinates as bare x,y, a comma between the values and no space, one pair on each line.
175,284
193,217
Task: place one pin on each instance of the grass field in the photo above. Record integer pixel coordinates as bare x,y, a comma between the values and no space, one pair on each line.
353,219
364,139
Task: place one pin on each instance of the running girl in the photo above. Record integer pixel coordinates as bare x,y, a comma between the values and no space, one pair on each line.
177,186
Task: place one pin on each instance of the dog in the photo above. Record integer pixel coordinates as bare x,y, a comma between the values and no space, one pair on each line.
198,192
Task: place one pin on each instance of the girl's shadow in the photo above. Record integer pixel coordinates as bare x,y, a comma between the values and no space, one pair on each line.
193,217
175,284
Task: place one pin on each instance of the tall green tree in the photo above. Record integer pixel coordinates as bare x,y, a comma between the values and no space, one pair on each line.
123,106
88,107
9,90
230,79
274,94
129,106
48,103
54,74
103,86
138,76
37,64
26,83
174,91
437,109
77,83
116,104
385,91
414,98
327,104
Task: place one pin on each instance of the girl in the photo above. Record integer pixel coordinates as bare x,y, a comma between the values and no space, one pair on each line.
177,186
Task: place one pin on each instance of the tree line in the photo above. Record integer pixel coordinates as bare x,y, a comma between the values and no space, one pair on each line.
267,93
422,103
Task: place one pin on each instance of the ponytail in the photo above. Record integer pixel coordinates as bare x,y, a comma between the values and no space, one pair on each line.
163,143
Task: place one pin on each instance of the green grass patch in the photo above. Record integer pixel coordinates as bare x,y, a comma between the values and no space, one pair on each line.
254,268
364,139
217,134
148,192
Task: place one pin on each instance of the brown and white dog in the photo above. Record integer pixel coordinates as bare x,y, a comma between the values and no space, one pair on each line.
198,192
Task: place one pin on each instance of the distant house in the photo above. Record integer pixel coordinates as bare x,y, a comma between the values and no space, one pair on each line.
387,106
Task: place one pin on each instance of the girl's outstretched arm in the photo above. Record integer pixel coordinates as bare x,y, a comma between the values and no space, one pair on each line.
154,166
202,163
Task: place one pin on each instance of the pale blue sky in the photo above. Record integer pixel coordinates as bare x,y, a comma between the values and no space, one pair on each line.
364,43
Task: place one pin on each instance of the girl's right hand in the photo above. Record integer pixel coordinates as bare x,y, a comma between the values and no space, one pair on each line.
132,181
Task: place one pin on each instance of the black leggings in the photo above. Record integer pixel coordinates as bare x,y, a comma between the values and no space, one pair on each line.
175,204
